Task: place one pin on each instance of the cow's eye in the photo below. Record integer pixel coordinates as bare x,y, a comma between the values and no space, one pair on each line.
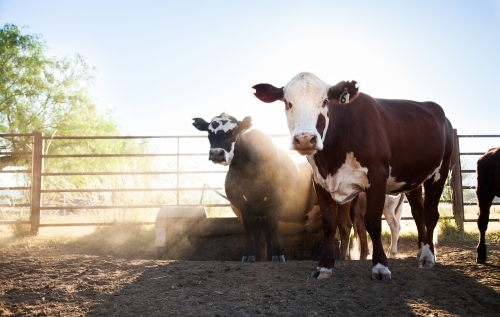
288,105
325,102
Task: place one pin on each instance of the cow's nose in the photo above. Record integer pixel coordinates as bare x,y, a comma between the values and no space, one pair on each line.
216,155
305,141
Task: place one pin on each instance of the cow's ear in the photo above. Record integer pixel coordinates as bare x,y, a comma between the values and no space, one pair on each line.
200,124
268,93
245,124
343,92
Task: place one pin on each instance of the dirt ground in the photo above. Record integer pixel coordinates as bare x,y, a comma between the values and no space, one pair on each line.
61,281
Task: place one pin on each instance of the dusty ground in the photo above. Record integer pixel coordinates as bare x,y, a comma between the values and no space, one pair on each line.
62,281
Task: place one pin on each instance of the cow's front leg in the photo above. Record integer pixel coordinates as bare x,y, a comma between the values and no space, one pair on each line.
329,221
375,199
271,233
252,231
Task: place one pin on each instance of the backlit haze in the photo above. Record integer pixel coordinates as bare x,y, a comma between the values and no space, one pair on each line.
161,63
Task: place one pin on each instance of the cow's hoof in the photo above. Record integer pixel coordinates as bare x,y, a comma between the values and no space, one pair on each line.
381,272
321,273
248,259
425,257
481,261
278,258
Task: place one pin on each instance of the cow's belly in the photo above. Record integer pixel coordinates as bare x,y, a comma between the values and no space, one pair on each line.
349,180
396,184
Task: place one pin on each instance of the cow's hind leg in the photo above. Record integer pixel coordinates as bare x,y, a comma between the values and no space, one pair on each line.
392,213
433,189
484,200
357,211
417,211
345,227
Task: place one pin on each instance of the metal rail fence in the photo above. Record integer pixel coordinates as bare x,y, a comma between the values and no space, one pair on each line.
38,185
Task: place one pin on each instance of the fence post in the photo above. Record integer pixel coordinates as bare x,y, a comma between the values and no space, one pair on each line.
36,182
456,184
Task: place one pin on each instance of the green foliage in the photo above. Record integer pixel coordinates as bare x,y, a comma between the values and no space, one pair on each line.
50,95
449,232
45,94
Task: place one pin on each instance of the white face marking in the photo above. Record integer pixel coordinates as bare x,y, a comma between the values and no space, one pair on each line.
306,92
350,179
227,155
224,126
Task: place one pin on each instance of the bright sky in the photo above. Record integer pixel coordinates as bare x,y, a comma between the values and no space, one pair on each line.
161,63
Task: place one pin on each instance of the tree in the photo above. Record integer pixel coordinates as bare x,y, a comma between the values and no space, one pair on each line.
45,94
50,95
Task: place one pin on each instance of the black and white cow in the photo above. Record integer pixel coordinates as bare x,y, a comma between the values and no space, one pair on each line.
357,143
488,186
258,181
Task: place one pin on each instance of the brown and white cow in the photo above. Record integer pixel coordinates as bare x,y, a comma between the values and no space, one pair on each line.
488,186
357,143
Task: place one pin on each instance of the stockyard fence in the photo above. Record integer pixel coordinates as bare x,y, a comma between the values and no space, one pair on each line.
176,169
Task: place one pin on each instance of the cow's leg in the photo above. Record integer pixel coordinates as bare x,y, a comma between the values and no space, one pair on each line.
392,213
484,200
433,189
345,226
258,240
357,211
329,222
375,199
417,211
270,224
252,231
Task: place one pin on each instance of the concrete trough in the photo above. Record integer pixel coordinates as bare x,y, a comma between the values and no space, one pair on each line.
186,233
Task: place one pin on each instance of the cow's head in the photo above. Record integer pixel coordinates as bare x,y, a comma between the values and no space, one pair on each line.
222,131
307,99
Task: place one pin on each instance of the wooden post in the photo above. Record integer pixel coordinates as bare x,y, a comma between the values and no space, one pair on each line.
456,184
36,182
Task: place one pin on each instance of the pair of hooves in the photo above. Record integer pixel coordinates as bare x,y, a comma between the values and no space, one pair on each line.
251,258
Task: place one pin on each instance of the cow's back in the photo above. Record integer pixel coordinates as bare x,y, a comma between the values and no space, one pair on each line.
488,171
411,137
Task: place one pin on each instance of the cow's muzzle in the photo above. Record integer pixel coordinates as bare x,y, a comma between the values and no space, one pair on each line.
217,155
305,143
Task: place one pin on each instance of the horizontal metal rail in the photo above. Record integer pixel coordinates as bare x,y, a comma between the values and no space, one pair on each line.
15,171
8,135
472,153
130,173
104,137
14,188
125,206
16,153
110,190
121,155
479,135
